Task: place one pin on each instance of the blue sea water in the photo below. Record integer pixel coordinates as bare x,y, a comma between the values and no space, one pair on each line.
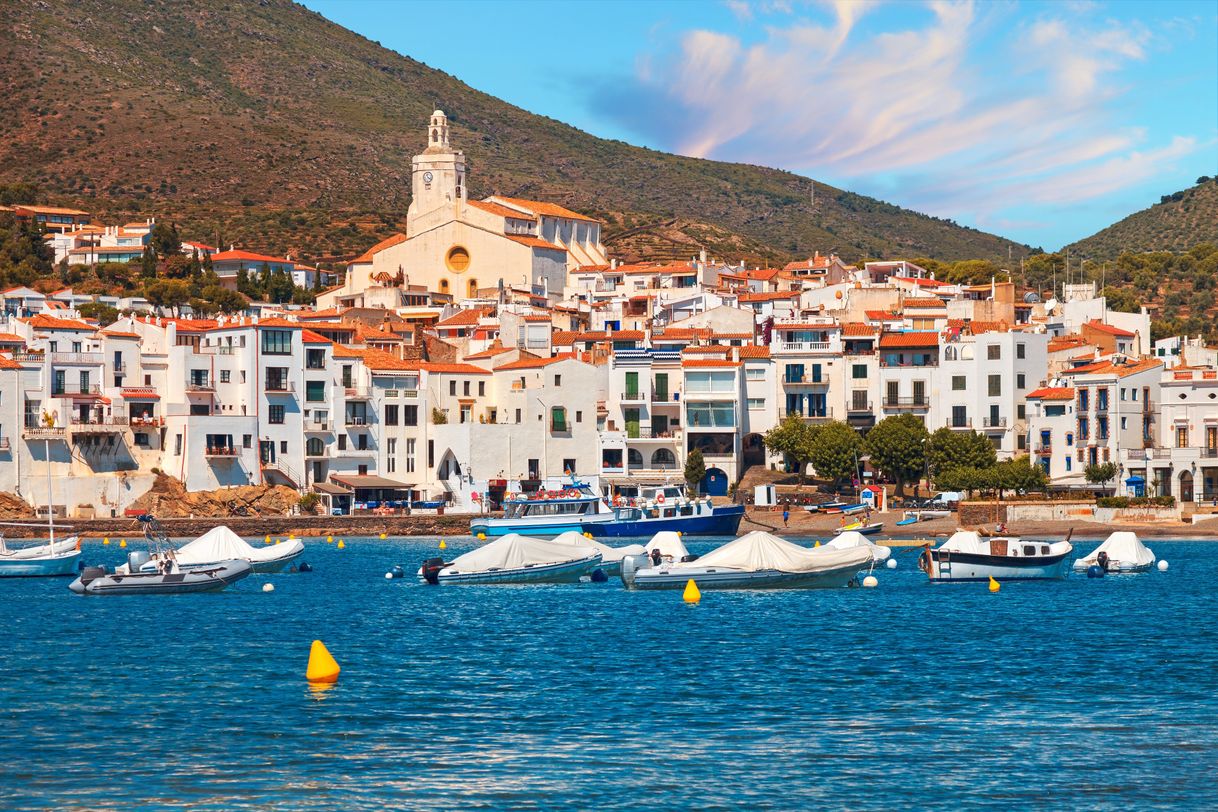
1080,694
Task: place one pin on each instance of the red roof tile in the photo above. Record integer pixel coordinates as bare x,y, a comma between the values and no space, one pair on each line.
535,363
912,340
538,207
1052,393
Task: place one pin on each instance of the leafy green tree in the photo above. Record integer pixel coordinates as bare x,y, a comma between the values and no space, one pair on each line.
898,449
952,448
972,272
1100,473
279,287
225,300
1122,300
792,438
165,240
177,266
835,450
965,479
104,313
1018,474
695,470
148,264
170,293
303,296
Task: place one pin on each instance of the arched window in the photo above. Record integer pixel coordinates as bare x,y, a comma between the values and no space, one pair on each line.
472,288
435,135
316,447
444,286
634,458
663,458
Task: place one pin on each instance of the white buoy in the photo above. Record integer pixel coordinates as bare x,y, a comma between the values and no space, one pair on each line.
870,582
1162,566
892,564
389,576
268,587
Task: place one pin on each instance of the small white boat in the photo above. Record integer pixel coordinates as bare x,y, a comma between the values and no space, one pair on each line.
169,580
1122,551
611,557
757,560
514,559
221,544
967,556
862,527
54,558
926,515
852,539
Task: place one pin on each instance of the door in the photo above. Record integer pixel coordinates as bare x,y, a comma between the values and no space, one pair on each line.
715,482
659,425
892,398
919,392
661,386
266,451
632,423
959,417
632,385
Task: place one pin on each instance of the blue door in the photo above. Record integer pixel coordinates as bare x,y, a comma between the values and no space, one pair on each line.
715,482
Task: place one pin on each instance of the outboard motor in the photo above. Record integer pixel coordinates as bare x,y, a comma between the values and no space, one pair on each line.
687,558
136,559
632,564
657,557
431,570
1102,560
91,574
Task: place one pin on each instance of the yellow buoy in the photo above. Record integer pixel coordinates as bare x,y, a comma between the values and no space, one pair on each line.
443,546
329,539
123,543
106,542
482,537
587,534
692,595
383,535
817,544
340,545
266,539
279,541
322,666
994,585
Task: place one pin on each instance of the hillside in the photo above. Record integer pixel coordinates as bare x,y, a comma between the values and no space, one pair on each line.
264,123
1176,223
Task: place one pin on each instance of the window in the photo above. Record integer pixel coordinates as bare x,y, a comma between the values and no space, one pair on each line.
1070,438
177,445
347,377
391,463
1021,411
276,379
283,446
959,383
558,380
465,388
710,415
315,391
277,342
1069,464
342,442
1021,350
1020,381
1182,437
452,388
481,389
558,419
315,359
995,386
754,373
993,352
410,456
710,381
274,414
225,376
568,465
410,416
756,403
391,415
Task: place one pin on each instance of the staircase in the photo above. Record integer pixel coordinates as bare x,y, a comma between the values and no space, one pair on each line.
284,471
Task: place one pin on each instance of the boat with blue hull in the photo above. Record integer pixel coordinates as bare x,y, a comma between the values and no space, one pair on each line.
545,513
51,559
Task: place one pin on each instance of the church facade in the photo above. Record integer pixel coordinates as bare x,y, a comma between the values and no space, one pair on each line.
459,246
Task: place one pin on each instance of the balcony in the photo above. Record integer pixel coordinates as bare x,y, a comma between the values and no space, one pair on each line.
220,452
821,381
119,368
803,346
80,358
70,391
994,422
962,423
148,422
1044,448
356,392
356,420
859,408
913,403
43,432
645,433
355,452
318,425
200,387
100,425
282,387
666,397
633,397
1101,407
809,416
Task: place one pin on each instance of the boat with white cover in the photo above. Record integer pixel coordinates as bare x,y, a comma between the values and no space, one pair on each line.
756,560
221,544
1122,551
514,559
968,556
851,538
611,557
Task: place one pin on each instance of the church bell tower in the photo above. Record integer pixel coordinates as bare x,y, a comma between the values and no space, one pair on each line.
437,174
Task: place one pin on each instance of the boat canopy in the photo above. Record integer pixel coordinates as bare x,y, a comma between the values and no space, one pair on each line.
515,551
669,544
764,551
853,539
222,544
608,554
1122,547
968,541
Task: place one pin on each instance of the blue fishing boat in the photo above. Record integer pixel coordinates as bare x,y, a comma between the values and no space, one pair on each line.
54,558
666,508
546,513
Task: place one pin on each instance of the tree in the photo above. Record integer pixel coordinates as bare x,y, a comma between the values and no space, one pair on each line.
835,450
164,240
695,470
279,287
172,293
1018,474
898,449
104,313
225,300
951,448
1100,473
1122,300
792,438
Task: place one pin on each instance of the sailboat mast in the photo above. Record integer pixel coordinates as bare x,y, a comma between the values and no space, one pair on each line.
50,496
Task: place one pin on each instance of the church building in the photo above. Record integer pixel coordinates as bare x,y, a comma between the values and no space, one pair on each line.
459,246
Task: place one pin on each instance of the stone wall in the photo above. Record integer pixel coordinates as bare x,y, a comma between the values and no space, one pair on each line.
984,513
414,525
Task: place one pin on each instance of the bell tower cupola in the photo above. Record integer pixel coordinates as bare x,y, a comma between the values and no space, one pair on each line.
437,174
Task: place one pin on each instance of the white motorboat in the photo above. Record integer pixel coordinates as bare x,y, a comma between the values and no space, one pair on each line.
851,539
170,579
514,559
968,556
611,557
1122,551
221,544
53,558
756,560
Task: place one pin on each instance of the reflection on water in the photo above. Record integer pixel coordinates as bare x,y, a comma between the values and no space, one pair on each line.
1081,693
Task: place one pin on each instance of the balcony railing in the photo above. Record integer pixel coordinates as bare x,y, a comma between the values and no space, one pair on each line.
994,422
220,451
804,346
856,408
645,433
280,387
665,397
77,358
809,415
1101,408
43,432
317,425
804,379
146,422
959,423
70,390
113,423
1044,448
356,392
907,403
200,386
357,420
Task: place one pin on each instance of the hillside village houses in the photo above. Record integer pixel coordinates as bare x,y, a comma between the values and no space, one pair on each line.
496,347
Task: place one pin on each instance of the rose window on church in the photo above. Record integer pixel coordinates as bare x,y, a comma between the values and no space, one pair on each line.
457,259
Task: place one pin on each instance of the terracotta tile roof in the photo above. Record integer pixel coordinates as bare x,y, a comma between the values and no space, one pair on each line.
115,334
381,360
247,256
8,363
1101,327
708,362
979,327
749,334
856,329
311,337
563,338
9,337
681,334
48,209
465,318
627,335
1065,343
45,322
343,351
311,315
499,211
538,317
1052,393
1106,366
591,269
709,350
912,340
538,207
768,296
489,352
924,283
197,325
454,369
535,363
140,393
928,302
534,242
752,352
364,333
882,315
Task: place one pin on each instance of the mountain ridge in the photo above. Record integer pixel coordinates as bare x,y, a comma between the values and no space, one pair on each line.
1176,223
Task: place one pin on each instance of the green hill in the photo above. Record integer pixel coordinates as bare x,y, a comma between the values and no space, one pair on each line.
265,124
1176,223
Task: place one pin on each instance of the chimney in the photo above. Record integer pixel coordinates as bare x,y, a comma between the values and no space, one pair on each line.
735,353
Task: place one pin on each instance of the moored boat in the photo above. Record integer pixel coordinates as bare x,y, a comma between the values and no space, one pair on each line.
825,507
1122,551
756,560
968,556
169,580
221,544
862,527
546,513
666,508
611,557
514,559
53,558
852,539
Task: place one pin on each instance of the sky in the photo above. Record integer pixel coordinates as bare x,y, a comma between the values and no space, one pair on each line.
1040,121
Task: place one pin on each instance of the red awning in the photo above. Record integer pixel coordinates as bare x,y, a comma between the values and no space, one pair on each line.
141,394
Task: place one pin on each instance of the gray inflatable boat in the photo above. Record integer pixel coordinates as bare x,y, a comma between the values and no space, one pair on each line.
97,581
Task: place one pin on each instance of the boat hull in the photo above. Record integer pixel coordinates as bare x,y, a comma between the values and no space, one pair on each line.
721,521
264,566
564,572
49,560
977,567
154,583
540,526
1115,567
710,578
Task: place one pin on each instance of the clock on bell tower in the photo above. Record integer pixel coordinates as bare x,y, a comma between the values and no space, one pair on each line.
437,174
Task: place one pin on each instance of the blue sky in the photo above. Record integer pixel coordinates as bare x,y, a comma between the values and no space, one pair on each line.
1041,121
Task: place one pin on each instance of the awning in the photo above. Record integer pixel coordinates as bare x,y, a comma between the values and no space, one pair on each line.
333,490
141,394
368,481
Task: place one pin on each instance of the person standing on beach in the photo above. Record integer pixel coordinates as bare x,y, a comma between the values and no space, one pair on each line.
786,514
